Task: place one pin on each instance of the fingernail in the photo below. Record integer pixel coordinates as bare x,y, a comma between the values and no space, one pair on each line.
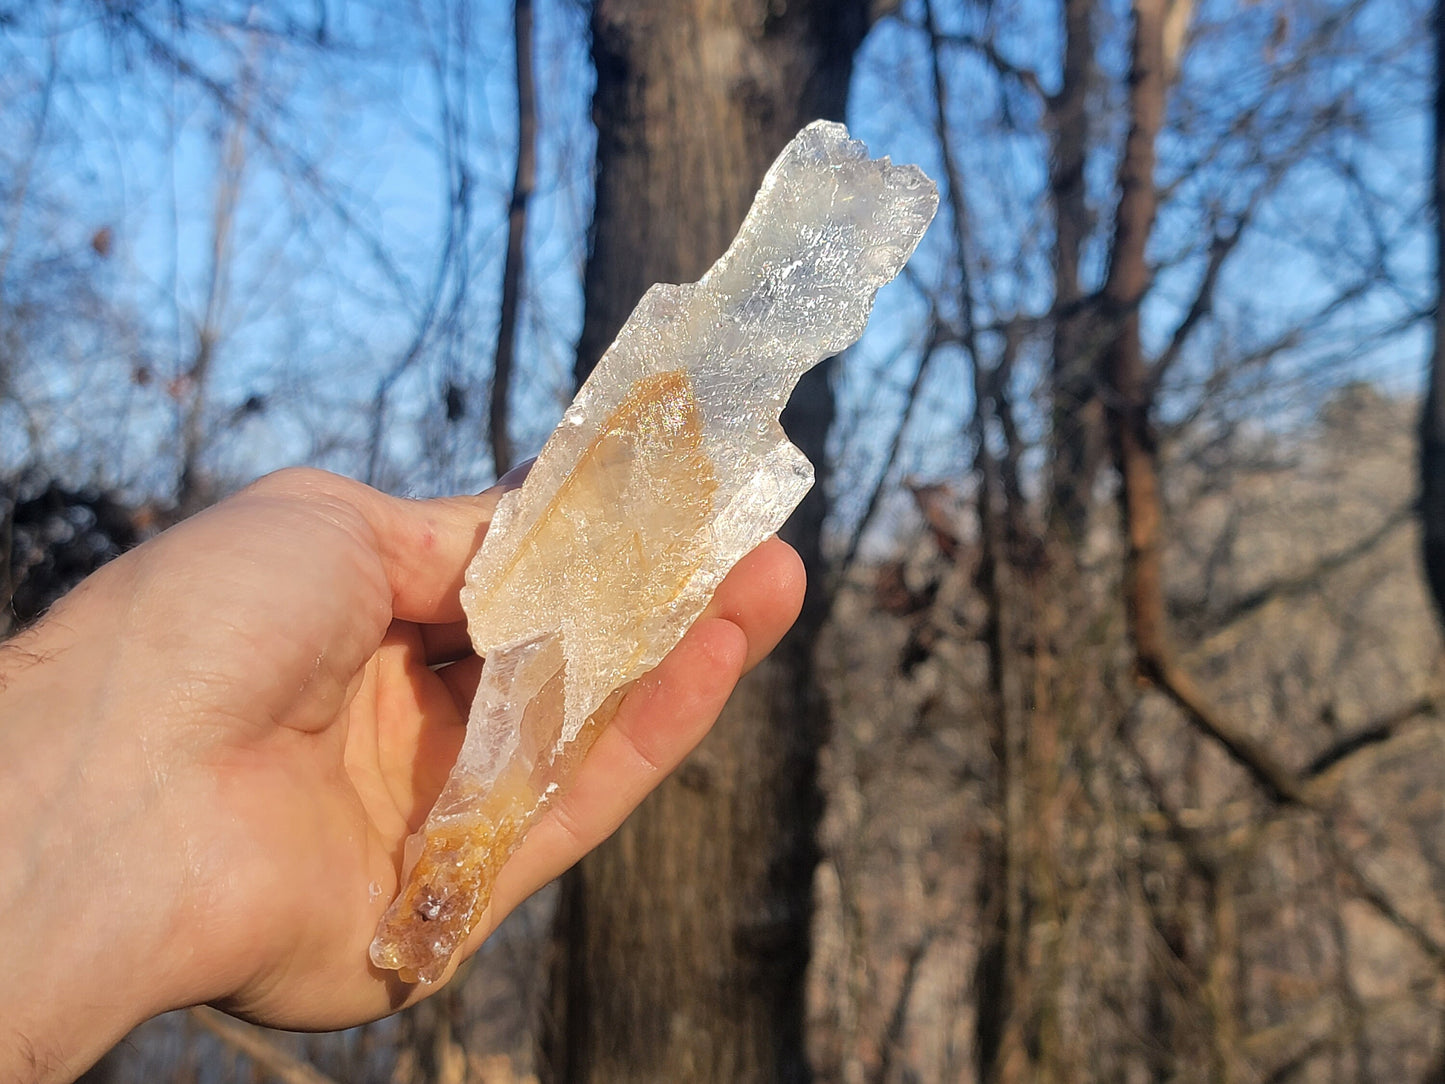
514,478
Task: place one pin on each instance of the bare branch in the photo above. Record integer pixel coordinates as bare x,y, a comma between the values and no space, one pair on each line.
191,382
513,270
450,267
1258,761
295,161
1000,63
1177,16
1308,579
1073,383
20,185
1222,245
263,1052
1368,890
875,496
1372,733
898,1018
1220,248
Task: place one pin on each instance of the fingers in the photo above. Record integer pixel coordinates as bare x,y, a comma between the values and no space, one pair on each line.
662,718
762,596
660,721
418,729
423,546
427,545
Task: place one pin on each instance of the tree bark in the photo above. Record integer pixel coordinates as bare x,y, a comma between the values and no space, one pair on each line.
1131,405
1125,369
681,945
1432,416
1077,443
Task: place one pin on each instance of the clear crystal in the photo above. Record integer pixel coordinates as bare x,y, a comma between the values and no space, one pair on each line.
668,467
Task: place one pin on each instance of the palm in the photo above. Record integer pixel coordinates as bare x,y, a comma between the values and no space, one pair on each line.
325,734
327,816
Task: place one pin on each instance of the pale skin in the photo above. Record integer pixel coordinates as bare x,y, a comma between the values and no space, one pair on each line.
212,751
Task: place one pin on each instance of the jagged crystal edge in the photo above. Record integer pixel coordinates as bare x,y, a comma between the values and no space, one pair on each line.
829,227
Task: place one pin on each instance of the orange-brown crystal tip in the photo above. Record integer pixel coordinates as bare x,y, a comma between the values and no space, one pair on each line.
433,915
448,889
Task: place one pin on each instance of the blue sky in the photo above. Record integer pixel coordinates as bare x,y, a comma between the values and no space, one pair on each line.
355,162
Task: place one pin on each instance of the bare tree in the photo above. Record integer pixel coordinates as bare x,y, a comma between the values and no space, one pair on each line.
1055,314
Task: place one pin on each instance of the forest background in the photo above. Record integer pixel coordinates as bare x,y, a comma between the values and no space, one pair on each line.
1109,744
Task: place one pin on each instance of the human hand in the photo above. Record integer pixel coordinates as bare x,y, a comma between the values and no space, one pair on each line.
212,752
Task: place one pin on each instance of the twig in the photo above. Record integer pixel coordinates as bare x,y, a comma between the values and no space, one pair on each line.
898,1018
1373,733
261,1050
895,444
1303,582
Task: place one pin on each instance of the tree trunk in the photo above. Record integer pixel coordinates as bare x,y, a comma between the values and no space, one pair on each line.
1432,417
681,945
1076,445
1131,406
1125,369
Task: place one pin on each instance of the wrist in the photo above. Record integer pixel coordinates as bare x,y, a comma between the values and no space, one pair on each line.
83,926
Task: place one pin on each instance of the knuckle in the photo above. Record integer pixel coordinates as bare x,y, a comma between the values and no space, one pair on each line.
299,482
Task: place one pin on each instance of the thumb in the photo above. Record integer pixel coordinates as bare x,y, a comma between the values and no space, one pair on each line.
424,545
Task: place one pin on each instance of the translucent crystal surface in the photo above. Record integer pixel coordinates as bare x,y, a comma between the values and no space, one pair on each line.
668,467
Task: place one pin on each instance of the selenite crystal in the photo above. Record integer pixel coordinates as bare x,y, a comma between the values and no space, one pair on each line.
668,467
